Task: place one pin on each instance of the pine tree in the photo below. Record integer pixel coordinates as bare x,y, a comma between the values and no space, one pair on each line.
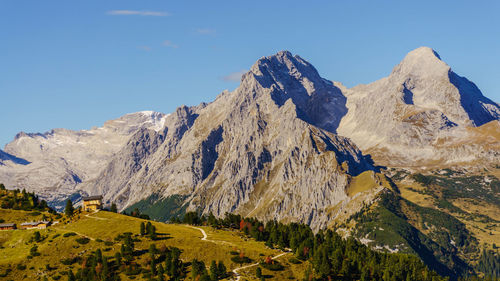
214,271
222,270
71,276
69,210
118,258
143,229
258,272
152,234
36,236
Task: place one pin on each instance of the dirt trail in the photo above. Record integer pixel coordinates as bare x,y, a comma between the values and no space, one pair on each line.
235,271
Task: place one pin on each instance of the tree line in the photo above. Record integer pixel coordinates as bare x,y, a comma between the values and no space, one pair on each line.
331,256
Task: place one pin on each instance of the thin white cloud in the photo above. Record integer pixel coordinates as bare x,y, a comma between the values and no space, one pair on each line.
205,31
170,44
137,13
145,48
235,76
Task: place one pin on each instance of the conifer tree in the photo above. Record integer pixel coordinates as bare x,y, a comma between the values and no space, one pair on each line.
69,210
143,229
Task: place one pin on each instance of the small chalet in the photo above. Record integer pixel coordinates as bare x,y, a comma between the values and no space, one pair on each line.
92,203
7,226
36,224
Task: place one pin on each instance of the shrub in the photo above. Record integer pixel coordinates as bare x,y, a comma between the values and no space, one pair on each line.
83,240
68,234
239,259
20,266
108,243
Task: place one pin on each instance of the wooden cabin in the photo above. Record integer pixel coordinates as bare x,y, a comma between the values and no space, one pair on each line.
36,224
92,203
7,226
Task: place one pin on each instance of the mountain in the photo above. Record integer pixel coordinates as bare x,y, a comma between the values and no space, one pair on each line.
55,163
255,151
423,115
407,164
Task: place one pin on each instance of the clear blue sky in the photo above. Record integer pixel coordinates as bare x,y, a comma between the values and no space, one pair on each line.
76,64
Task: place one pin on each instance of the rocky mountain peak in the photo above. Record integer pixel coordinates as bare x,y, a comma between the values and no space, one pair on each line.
288,72
421,104
422,62
285,76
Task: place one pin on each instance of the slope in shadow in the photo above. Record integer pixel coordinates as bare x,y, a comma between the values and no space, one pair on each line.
6,156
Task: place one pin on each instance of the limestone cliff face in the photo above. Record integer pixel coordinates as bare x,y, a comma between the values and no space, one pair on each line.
255,151
420,115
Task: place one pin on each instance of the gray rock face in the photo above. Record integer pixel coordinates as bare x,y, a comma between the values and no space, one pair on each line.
250,151
270,148
55,163
418,114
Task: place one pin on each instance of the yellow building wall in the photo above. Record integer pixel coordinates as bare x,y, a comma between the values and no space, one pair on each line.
91,205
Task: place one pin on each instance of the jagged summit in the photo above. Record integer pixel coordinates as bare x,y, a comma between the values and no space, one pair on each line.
285,76
424,62
284,69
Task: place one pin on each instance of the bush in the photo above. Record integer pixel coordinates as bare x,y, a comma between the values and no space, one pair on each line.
36,213
83,240
108,243
234,253
20,266
69,234
294,260
55,236
238,259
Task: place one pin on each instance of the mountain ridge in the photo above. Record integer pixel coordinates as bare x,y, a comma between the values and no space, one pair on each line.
417,106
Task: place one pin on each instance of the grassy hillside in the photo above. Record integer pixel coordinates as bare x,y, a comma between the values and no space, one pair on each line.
59,243
90,242
446,217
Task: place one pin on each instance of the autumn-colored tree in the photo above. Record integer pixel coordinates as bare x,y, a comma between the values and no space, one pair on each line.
268,260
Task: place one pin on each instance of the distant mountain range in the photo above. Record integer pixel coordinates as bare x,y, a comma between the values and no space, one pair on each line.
287,145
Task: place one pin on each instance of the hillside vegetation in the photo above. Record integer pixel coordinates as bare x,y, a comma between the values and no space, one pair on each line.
110,246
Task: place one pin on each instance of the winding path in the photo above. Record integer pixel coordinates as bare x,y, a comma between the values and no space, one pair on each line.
205,236
235,271
238,276
97,218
